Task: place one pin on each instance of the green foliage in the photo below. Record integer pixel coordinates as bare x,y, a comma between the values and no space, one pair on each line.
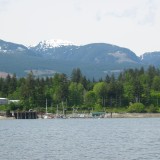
12,106
134,86
59,87
76,75
98,108
152,109
136,108
90,99
76,91
116,110
3,107
156,84
100,89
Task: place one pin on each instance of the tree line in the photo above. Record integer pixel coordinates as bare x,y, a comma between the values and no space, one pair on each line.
135,90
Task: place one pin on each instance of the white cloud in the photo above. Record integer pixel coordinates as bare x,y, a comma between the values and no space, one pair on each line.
4,4
142,12
134,24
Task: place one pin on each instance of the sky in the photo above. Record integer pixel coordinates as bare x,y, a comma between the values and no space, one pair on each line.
133,24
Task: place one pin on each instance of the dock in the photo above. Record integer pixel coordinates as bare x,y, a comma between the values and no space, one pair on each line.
26,115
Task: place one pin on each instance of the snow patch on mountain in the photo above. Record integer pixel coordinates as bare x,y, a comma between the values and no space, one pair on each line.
3,51
53,43
20,49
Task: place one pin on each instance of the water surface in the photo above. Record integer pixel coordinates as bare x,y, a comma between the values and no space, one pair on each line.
80,139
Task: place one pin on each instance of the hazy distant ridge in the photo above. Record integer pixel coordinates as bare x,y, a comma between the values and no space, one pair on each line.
48,57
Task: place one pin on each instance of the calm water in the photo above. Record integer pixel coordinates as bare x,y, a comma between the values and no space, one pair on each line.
80,139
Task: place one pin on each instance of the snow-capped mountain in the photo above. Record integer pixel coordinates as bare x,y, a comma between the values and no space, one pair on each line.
50,56
53,43
8,47
93,53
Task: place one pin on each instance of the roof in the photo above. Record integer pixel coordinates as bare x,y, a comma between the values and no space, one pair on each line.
3,98
97,113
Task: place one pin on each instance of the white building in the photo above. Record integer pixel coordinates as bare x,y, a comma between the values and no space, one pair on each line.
3,101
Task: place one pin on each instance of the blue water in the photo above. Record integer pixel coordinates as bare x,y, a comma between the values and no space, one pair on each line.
80,139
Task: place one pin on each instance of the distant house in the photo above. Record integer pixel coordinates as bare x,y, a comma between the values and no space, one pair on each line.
3,101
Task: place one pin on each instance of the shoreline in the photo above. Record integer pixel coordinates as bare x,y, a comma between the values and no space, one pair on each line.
133,115
6,118
108,115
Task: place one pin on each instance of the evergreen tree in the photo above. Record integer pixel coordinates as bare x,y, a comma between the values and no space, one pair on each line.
76,75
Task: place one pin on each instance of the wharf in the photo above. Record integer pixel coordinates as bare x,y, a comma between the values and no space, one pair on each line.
26,115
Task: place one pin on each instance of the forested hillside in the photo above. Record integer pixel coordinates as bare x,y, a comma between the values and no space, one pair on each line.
49,57
133,87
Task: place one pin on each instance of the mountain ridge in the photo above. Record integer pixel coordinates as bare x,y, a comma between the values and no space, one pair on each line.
51,56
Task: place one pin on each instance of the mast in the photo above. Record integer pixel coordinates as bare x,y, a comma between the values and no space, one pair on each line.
57,110
63,107
46,105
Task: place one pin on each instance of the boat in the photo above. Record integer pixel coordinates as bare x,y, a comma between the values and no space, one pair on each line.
47,115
